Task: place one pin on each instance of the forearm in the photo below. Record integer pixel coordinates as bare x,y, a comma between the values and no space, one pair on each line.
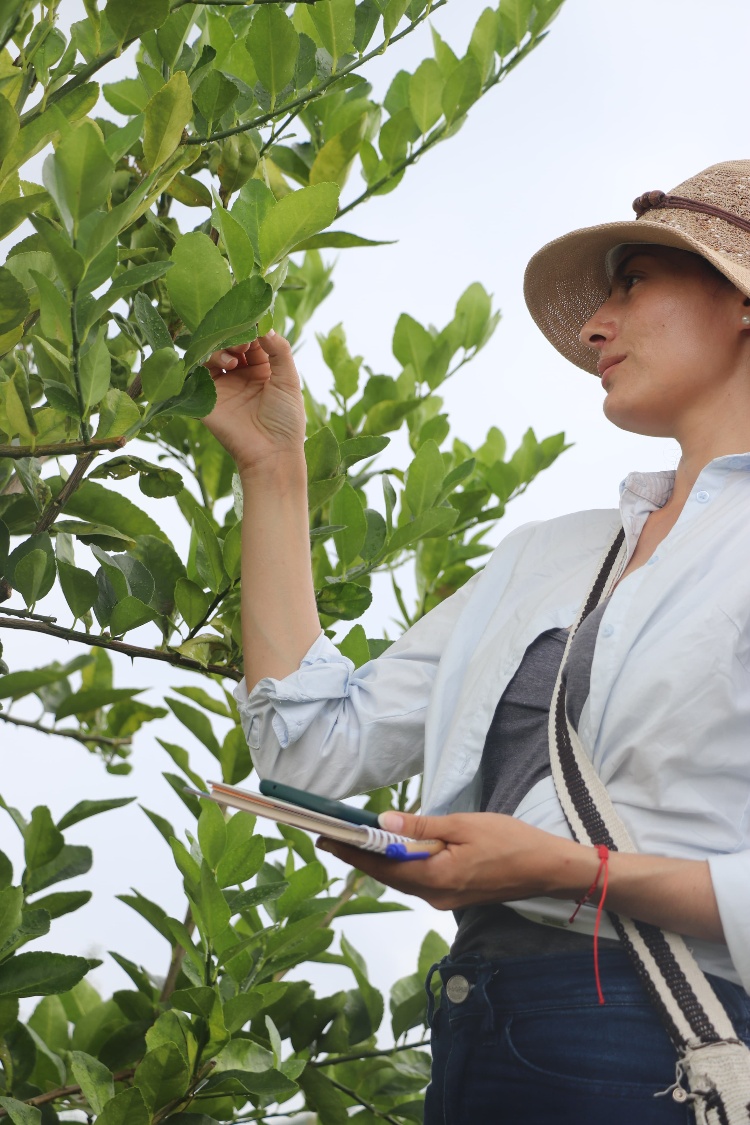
675,894
279,615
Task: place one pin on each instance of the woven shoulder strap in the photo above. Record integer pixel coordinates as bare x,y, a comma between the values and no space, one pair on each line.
686,1002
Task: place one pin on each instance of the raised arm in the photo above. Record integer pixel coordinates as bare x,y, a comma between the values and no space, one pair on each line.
259,418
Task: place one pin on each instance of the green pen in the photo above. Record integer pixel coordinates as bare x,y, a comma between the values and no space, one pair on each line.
318,804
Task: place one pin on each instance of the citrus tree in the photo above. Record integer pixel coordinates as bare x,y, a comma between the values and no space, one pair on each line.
194,221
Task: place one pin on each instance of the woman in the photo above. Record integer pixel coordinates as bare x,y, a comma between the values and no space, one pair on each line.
658,681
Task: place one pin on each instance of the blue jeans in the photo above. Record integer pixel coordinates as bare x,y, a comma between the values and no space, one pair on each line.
530,1044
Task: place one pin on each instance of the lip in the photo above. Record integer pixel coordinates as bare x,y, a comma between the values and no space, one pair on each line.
606,363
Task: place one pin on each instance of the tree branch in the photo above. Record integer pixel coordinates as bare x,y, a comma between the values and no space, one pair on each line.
175,965
313,94
175,658
334,1060
66,1091
53,509
102,739
361,1101
60,450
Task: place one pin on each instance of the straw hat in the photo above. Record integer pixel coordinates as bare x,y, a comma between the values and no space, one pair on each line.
567,280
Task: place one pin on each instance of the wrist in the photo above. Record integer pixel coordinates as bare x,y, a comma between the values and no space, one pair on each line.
284,468
575,868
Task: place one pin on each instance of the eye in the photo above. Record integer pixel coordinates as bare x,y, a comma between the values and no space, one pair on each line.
629,280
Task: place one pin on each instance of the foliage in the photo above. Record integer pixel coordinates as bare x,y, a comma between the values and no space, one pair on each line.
109,303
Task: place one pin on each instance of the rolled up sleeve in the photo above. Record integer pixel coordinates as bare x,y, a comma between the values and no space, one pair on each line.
334,729
731,880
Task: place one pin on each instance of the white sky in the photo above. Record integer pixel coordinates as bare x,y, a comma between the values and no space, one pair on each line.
624,97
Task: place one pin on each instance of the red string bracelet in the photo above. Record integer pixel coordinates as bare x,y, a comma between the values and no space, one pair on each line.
603,854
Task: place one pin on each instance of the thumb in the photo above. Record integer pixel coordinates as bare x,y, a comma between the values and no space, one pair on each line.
279,352
417,827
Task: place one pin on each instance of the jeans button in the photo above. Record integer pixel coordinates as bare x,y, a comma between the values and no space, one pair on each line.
457,988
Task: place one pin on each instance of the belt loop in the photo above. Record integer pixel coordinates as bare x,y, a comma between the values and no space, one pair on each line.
430,993
484,976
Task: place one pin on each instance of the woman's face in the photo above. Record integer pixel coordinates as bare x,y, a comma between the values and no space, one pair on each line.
669,340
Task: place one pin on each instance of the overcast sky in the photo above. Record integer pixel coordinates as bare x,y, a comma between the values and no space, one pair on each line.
623,97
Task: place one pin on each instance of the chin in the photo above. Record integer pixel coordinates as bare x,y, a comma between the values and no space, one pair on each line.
633,419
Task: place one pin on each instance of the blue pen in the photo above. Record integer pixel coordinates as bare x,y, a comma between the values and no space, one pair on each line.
404,853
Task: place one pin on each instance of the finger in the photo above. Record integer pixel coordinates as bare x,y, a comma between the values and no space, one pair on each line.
279,352
407,877
420,827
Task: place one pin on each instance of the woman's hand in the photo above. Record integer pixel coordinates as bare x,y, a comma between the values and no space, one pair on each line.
494,858
259,410
488,858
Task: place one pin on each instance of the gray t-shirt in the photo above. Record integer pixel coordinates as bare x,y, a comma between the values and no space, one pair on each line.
514,759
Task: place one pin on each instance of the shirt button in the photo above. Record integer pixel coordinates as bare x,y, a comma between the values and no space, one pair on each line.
702,496
608,630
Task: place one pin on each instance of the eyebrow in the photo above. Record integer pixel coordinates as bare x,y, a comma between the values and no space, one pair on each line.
621,266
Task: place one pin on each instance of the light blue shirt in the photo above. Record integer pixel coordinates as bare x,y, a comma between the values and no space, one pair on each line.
667,722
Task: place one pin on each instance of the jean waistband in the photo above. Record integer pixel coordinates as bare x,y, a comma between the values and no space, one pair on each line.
558,981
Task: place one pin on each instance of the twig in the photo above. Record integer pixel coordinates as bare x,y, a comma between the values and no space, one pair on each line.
305,98
175,658
361,1101
369,1054
66,1091
61,449
105,740
175,965
29,615
53,509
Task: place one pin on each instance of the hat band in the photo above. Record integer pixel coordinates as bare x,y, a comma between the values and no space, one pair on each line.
656,200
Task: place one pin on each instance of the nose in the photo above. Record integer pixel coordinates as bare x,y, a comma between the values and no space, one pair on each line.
599,328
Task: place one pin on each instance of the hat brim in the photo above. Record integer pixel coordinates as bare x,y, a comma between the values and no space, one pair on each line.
566,281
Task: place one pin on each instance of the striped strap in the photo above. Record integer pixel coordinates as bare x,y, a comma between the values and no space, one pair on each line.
683,997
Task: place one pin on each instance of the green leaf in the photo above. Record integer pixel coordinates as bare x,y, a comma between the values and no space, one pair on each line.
167,114
424,478
29,576
14,304
346,600
462,88
96,367
435,522
71,860
334,22
473,312
208,556
117,414
250,209
232,320
433,949
19,1112
195,256
377,531
94,1078
36,544
274,47
425,94
237,242
212,833
70,264
63,902
191,601
339,239
162,375
232,551
128,96
235,759
79,174
196,722
43,841
125,1108
130,613
162,1076
412,344
346,509
197,398
84,809
323,1098
98,504
214,96
9,126
393,13
298,215
130,21
214,913
11,906
150,323
484,41
354,646
41,974
384,416
358,448
322,455
243,857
